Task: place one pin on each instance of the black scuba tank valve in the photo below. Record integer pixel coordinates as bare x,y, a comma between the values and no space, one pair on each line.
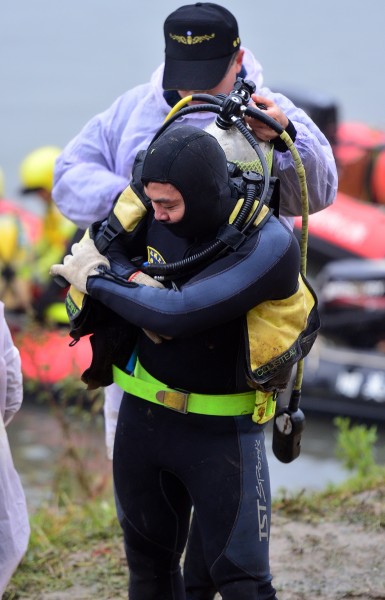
235,102
289,423
231,106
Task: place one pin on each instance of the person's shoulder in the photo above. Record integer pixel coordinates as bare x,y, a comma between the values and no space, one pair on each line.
133,94
124,105
253,67
139,97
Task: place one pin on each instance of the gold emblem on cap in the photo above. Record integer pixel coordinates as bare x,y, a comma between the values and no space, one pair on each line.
189,39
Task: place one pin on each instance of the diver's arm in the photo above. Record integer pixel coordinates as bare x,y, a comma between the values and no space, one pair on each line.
266,269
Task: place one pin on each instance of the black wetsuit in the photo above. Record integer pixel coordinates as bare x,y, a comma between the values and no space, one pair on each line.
165,462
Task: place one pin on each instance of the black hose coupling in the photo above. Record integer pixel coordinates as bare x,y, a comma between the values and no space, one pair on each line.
253,181
232,105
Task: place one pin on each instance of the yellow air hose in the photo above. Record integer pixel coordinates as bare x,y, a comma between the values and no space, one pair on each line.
178,106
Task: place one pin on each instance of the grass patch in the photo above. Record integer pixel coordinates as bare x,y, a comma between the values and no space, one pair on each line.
356,500
72,543
360,499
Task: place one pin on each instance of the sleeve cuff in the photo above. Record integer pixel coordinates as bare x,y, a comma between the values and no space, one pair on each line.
279,144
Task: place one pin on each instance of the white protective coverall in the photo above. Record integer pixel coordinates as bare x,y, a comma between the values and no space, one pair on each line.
95,167
14,523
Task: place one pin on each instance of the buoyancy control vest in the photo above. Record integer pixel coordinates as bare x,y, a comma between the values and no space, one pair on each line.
278,333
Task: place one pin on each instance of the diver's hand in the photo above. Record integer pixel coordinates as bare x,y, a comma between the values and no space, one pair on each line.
80,265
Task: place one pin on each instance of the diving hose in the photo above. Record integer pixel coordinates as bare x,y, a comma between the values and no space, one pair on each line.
252,180
162,271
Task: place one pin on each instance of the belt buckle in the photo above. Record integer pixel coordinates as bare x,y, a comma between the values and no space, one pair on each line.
173,399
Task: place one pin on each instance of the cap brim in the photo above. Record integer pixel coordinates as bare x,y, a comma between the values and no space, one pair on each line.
198,75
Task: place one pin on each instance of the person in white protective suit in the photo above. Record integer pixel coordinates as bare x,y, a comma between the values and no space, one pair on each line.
14,522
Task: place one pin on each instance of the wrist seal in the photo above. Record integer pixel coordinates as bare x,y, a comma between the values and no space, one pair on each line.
279,144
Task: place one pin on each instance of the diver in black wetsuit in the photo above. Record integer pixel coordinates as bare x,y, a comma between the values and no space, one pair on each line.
191,425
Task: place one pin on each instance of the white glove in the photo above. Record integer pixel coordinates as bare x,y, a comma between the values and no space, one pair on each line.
81,264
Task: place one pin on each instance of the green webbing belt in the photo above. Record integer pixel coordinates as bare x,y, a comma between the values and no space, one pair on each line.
147,387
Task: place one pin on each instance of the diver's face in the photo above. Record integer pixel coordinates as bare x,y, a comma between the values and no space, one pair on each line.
166,200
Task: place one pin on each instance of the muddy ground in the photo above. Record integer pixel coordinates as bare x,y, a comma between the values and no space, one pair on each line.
332,556
327,560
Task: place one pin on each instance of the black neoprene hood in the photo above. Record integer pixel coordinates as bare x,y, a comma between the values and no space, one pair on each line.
193,161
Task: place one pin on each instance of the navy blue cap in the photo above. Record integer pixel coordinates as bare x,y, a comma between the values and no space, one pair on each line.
200,41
